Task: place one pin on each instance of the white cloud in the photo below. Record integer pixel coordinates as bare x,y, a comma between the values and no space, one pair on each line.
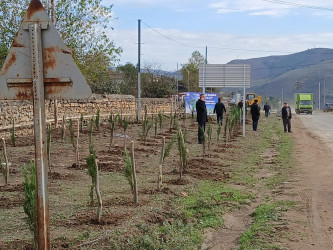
222,48
266,8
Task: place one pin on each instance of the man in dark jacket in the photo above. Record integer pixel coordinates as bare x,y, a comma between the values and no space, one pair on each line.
286,117
219,108
267,109
255,112
201,117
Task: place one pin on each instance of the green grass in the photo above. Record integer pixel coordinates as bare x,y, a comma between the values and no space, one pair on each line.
262,230
202,207
205,205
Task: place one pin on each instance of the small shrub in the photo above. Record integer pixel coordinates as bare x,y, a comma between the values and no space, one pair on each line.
182,153
155,125
71,132
91,128
128,169
81,123
12,133
203,139
169,147
30,200
112,126
219,129
97,120
160,120
91,165
209,135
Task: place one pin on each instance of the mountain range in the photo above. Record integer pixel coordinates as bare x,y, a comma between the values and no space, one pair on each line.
301,72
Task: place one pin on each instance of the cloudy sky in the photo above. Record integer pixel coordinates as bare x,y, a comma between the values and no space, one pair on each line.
231,29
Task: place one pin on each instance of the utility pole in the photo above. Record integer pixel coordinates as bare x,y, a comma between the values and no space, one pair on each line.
139,69
177,81
188,79
324,91
204,75
319,96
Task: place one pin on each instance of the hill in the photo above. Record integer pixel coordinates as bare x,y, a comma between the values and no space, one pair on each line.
270,74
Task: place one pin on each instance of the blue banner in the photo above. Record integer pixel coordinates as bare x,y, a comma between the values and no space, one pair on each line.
192,97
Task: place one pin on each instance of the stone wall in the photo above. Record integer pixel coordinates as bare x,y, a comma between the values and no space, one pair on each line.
22,111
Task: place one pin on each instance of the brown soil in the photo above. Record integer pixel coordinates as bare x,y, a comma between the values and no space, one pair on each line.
69,185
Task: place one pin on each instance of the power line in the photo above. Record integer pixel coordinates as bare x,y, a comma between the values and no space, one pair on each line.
298,5
213,47
173,40
224,48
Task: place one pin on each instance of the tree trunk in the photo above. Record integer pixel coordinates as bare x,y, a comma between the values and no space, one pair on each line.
135,185
98,194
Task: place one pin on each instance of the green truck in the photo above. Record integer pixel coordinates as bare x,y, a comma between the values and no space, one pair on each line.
304,103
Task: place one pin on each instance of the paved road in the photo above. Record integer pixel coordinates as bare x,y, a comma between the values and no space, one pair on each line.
321,124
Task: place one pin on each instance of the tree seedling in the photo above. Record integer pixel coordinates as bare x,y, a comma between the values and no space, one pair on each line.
30,200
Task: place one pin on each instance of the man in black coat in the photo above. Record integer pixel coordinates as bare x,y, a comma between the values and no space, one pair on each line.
255,112
267,109
286,117
219,108
201,117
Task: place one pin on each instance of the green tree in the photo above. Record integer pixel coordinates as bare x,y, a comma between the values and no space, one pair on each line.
129,79
82,24
196,59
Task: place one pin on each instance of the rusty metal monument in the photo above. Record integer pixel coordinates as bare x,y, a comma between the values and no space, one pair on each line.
39,66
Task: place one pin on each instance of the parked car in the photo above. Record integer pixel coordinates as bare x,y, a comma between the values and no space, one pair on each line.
328,107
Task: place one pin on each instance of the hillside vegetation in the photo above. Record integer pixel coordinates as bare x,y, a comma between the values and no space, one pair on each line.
270,74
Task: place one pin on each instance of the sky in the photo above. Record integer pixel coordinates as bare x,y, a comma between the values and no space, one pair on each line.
231,29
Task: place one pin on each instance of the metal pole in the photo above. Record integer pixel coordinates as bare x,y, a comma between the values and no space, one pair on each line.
244,102
324,91
319,97
139,70
204,79
177,80
40,136
282,96
204,75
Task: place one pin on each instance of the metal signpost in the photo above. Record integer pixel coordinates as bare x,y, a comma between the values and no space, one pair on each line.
38,67
226,76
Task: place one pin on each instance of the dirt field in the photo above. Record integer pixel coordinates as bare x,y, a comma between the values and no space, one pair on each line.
219,197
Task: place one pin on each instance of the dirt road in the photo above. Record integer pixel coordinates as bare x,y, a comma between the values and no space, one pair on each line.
313,151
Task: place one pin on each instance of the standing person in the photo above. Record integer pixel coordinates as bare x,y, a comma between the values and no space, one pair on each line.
267,109
240,104
201,116
286,117
219,108
255,112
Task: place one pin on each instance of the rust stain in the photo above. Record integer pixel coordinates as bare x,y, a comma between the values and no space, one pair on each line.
24,94
55,89
49,58
35,6
10,62
16,44
65,51
52,80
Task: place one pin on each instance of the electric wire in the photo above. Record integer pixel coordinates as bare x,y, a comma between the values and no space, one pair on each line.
298,5
212,47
